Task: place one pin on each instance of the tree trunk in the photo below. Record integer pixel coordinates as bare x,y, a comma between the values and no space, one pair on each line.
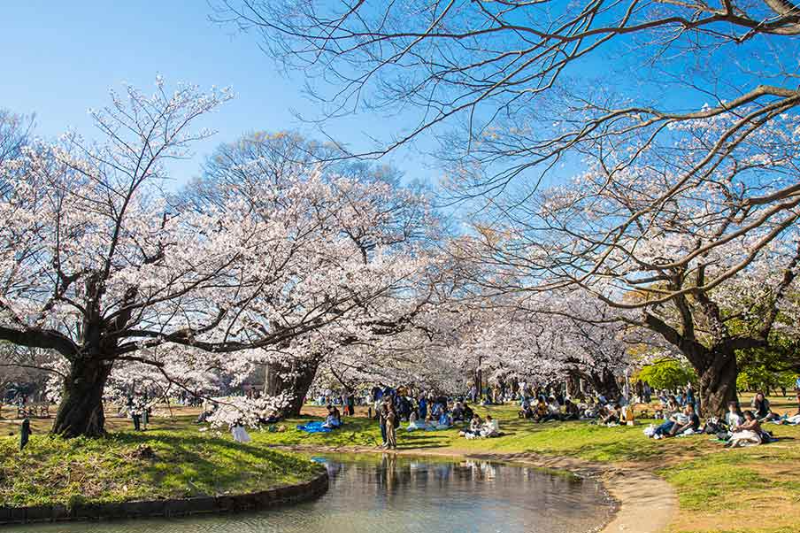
574,386
718,384
605,383
80,412
294,379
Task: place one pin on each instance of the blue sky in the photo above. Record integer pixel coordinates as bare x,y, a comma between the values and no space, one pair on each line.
61,58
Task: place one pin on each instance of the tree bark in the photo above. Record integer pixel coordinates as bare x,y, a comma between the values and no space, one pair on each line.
80,413
605,383
293,379
717,383
574,386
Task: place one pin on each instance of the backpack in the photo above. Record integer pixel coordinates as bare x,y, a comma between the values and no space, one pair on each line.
714,426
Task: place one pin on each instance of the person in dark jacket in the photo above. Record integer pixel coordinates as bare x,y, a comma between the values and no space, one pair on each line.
24,433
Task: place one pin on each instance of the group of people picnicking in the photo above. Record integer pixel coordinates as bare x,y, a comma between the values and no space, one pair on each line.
736,428
428,412
678,410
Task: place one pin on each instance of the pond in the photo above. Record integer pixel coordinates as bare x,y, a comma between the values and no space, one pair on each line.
406,495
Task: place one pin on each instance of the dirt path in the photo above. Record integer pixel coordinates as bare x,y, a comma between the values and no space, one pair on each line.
646,503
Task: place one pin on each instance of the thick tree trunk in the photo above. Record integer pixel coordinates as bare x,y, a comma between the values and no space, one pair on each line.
574,386
293,379
80,412
718,384
605,383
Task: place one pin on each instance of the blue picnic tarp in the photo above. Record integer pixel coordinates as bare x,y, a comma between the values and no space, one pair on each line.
314,427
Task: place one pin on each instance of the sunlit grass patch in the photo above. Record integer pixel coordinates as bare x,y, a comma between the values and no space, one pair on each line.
185,463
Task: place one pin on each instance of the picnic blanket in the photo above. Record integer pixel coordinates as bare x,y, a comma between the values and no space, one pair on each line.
314,427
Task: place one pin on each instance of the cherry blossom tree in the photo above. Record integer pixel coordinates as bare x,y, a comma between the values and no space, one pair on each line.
100,266
387,231
546,338
15,133
710,269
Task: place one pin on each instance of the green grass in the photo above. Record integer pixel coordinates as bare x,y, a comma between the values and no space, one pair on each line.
574,439
709,483
187,463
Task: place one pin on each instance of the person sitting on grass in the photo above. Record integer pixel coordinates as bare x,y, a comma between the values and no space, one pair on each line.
678,424
416,423
571,411
468,412
334,418
541,410
490,428
734,416
553,410
748,433
791,420
672,407
445,421
474,427
762,410
525,410
458,413
611,415
438,409
591,410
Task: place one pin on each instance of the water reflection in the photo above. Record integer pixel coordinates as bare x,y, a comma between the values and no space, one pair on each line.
406,495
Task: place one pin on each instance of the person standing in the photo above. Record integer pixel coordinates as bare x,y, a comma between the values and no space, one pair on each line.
136,414
382,413
24,433
392,421
145,413
239,433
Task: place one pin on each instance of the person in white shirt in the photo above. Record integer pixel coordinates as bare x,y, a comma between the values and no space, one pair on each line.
491,428
734,416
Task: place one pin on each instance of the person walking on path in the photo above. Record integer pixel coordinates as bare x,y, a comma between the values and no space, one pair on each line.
24,433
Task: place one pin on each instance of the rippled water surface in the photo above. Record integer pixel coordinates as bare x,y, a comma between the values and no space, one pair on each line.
402,495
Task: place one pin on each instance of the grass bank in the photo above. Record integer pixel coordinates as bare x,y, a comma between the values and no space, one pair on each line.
183,463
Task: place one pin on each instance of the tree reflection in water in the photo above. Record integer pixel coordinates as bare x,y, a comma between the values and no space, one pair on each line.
372,493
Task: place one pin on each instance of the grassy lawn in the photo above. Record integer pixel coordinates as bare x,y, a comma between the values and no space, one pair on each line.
741,490
185,463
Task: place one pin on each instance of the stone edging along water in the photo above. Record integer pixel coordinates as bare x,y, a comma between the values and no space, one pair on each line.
645,502
266,499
